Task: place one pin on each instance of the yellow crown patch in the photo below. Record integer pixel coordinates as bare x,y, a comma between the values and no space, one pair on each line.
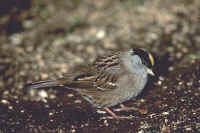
151,59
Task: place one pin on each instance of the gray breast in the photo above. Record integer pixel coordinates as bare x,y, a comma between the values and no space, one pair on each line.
126,90
131,85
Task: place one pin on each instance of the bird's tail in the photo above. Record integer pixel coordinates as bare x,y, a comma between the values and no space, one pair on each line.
60,82
42,84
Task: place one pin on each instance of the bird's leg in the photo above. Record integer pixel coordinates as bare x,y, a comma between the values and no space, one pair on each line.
114,116
111,113
124,108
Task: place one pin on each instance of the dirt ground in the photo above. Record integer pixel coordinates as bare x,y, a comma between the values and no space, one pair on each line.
47,39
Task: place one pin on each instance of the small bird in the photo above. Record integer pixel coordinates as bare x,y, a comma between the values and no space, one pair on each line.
109,80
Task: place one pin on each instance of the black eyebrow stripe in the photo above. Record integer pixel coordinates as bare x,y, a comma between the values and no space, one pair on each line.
144,55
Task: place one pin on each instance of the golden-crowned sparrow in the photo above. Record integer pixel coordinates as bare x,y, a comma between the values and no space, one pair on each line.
110,80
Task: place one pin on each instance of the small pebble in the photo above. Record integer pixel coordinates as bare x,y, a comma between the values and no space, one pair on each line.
171,68
159,82
50,113
165,113
101,112
4,101
106,122
78,101
43,94
100,34
180,83
10,107
70,95
44,76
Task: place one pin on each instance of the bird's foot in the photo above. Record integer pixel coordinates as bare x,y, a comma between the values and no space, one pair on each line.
124,108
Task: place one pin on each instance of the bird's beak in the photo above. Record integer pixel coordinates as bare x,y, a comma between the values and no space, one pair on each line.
149,71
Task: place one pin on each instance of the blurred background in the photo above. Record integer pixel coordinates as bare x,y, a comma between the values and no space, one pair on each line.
45,39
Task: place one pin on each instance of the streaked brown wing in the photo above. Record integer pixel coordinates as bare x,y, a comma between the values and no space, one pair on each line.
100,76
106,62
88,83
106,81
97,89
